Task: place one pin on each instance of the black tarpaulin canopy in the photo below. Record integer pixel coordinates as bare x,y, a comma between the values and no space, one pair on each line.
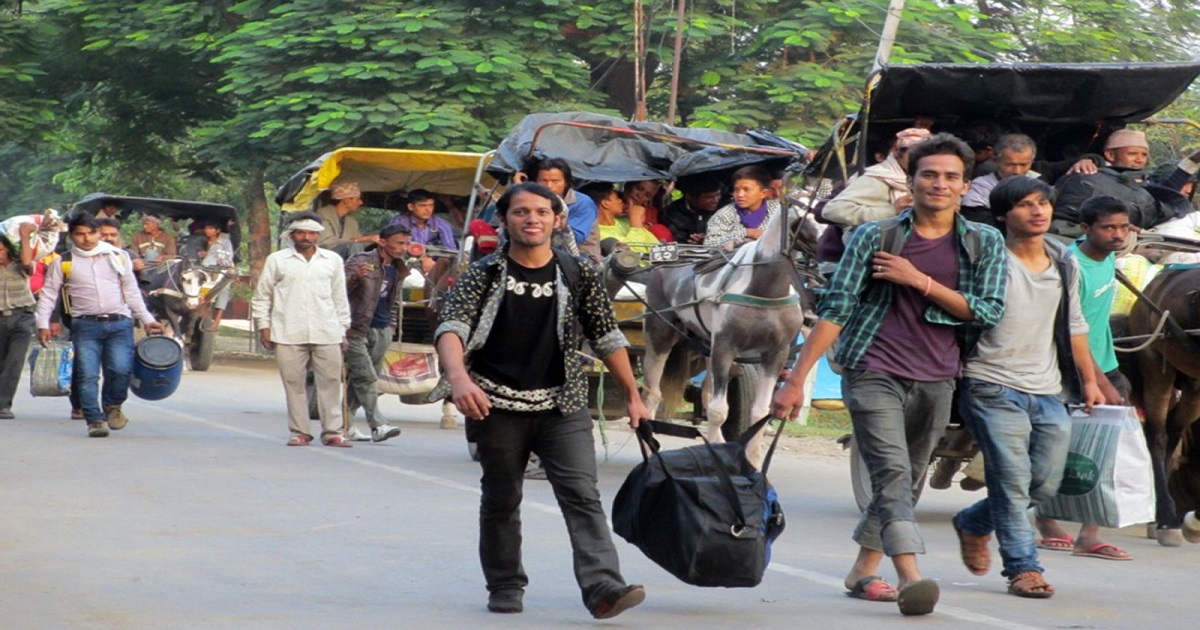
167,208
605,149
1068,109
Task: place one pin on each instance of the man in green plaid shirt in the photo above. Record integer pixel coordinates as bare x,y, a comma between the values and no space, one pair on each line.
902,321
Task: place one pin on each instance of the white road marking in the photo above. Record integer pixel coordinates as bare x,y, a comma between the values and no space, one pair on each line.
804,574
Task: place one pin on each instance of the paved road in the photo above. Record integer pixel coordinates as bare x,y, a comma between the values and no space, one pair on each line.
197,516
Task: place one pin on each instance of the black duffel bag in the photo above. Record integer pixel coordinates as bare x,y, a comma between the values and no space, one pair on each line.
702,512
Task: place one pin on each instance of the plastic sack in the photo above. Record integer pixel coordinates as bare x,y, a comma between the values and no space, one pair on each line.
408,368
50,369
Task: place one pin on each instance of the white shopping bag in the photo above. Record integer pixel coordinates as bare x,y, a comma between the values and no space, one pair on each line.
1108,480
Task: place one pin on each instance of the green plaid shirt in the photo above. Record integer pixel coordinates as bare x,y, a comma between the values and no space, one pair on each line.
858,304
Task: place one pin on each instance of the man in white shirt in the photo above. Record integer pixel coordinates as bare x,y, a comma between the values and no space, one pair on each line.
301,311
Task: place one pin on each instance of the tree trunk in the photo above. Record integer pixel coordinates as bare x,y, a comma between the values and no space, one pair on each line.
258,222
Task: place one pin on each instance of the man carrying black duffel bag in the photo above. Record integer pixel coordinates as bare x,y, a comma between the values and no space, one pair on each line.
506,342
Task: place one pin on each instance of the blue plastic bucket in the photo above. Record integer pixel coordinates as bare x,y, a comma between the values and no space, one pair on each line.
157,368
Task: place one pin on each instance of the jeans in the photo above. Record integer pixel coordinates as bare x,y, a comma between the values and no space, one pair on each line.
897,422
1024,440
106,346
363,356
568,456
15,332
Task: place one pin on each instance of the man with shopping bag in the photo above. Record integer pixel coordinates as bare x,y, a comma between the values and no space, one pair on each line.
1013,380
1105,223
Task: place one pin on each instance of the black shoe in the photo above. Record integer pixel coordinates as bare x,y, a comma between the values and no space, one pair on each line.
620,601
506,600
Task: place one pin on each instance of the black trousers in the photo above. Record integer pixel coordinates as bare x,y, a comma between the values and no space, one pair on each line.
567,450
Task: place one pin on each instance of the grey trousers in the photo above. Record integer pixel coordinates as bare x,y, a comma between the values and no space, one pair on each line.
326,363
897,423
15,332
362,371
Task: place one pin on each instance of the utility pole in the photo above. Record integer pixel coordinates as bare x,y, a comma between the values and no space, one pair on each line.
888,38
675,65
639,61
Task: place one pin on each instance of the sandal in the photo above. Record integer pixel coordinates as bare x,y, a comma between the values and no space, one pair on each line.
974,550
1103,551
1052,543
1030,584
873,588
336,440
299,439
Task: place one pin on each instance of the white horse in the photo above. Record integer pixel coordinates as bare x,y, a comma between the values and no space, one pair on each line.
747,310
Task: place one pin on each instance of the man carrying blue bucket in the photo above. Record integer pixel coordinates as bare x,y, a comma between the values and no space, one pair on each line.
101,295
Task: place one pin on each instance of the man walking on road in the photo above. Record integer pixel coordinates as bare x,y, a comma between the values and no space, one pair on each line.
1014,383
507,342
373,279
100,294
947,277
301,311
1105,223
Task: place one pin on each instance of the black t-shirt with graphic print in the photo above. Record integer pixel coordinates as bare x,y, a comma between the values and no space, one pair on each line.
522,350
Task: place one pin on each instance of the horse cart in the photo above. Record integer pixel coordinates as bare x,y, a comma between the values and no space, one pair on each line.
386,177
181,290
1068,109
671,342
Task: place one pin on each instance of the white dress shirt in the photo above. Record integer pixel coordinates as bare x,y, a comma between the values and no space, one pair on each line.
302,300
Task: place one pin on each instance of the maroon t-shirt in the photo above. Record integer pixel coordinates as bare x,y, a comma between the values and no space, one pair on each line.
908,346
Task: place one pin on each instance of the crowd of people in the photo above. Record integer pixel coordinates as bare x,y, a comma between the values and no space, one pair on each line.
985,309
957,316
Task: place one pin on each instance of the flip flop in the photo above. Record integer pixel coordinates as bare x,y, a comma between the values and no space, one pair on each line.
1052,543
1103,551
918,598
873,588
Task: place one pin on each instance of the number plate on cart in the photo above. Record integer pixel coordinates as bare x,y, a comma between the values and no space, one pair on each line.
664,253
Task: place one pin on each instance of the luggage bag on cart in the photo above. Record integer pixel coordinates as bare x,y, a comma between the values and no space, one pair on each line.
702,512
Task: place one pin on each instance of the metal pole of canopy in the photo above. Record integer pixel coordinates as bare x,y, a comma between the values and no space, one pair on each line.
888,38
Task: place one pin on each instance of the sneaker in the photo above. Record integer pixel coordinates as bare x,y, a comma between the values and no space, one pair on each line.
98,429
449,421
355,434
77,414
116,418
6,414
507,600
618,602
384,432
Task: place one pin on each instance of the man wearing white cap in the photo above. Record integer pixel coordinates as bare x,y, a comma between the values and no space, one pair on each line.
341,232
882,190
308,284
1127,154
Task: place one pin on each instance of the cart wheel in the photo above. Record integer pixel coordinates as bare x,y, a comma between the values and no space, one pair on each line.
740,396
200,350
860,478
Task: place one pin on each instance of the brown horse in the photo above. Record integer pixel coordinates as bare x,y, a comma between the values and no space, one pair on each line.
1170,363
